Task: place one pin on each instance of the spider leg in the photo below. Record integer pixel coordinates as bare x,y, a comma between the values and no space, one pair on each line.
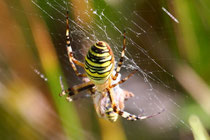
132,117
76,89
121,58
123,80
125,114
72,60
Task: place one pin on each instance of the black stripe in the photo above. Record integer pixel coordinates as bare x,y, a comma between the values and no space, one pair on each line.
100,72
86,87
68,45
121,59
115,108
89,66
109,112
97,59
96,78
97,50
96,67
70,92
120,113
100,44
120,64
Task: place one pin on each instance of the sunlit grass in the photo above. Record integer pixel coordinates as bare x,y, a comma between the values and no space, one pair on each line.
30,107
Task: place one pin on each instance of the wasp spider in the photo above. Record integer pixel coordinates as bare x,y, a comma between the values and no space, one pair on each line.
101,80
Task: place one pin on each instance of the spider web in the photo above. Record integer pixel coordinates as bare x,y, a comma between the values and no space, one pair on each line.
154,87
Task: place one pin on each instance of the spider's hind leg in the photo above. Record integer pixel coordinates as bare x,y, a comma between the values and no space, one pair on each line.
132,117
125,114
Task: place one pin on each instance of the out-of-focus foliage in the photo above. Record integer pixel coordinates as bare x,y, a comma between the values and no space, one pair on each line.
30,107
198,130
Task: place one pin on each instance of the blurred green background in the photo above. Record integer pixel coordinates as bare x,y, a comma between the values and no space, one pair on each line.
167,40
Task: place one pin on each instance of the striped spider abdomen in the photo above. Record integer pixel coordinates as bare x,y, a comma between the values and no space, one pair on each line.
99,62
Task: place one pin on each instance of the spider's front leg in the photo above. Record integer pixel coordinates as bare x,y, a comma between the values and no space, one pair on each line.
76,89
72,60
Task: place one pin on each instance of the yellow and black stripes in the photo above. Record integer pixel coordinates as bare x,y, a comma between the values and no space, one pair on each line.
125,114
122,113
110,114
132,117
72,60
121,58
123,80
99,62
112,111
76,89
